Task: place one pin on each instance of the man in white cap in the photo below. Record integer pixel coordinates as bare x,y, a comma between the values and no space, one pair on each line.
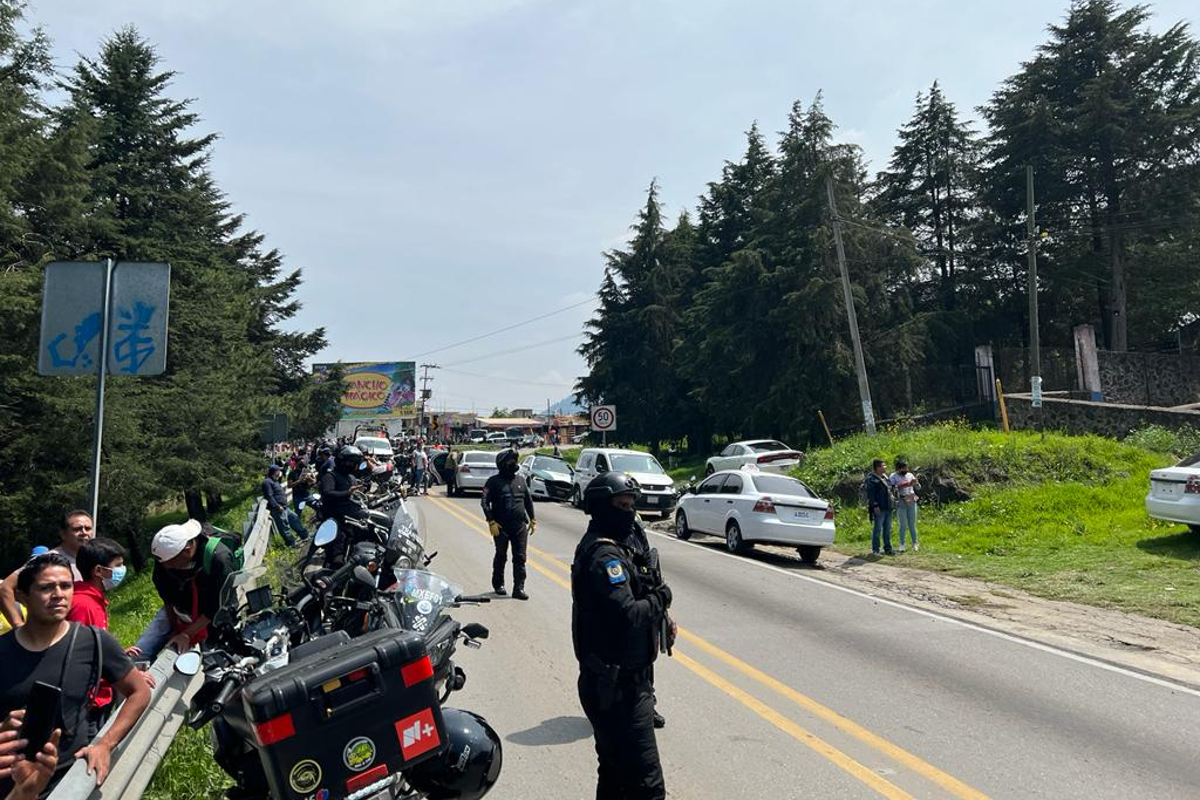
189,572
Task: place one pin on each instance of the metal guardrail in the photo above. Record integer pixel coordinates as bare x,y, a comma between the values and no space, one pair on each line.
134,762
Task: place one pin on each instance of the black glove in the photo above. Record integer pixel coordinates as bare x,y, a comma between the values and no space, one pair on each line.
663,593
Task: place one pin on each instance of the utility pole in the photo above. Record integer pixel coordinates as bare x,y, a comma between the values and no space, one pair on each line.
1035,351
860,365
425,379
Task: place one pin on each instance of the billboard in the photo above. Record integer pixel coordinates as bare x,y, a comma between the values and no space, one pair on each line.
377,389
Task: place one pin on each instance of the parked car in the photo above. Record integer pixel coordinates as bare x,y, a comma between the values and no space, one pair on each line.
497,438
530,440
749,505
768,454
1175,493
549,477
444,467
377,446
477,436
657,489
474,468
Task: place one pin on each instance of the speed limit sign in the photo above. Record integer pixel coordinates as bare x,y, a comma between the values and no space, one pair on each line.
604,418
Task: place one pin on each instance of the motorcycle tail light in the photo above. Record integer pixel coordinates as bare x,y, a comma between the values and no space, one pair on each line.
366,779
417,671
275,730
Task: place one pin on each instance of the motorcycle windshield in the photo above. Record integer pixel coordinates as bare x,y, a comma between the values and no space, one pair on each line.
404,533
421,596
235,588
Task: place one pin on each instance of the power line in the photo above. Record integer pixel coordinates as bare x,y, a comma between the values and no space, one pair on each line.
507,380
506,328
515,350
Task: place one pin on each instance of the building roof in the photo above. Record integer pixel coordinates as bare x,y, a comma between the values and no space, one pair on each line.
510,422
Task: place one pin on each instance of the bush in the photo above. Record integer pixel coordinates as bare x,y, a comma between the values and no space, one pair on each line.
1156,439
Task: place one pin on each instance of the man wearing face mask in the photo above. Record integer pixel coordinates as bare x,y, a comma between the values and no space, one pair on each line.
337,487
619,622
188,582
508,507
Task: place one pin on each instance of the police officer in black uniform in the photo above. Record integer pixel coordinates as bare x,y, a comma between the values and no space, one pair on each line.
508,507
619,622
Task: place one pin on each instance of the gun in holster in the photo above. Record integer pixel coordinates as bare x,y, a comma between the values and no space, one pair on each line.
606,688
655,578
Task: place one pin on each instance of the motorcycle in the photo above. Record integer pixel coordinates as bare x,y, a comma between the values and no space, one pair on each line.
267,657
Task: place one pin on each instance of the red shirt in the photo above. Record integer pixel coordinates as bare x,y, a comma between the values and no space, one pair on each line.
90,607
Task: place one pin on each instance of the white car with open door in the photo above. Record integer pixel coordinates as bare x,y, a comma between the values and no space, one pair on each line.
748,505
1175,493
768,455
474,468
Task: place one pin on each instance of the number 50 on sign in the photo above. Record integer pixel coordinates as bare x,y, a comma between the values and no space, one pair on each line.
604,418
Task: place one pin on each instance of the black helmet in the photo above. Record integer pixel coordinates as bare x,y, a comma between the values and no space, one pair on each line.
505,455
348,458
469,766
607,486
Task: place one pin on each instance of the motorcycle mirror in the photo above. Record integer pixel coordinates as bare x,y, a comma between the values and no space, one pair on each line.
364,576
475,630
301,505
188,663
326,533
315,496
362,466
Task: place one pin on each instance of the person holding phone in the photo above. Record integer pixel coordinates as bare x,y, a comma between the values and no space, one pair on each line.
30,776
55,653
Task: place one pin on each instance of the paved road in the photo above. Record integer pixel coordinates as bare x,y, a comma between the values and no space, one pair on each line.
783,686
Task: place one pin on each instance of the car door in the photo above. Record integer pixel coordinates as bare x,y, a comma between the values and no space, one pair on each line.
702,511
583,469
721,460
726,502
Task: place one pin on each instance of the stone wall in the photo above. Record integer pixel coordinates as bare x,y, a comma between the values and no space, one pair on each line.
1154,379
1114,420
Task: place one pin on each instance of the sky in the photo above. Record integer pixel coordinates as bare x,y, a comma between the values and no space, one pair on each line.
442,169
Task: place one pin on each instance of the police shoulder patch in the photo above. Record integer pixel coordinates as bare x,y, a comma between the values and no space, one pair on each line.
616,573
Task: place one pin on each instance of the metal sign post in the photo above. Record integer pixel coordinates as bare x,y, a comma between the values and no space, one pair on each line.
99,318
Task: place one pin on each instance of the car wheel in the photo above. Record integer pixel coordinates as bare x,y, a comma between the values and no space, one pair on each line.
708,470
681,527
809,553
734,542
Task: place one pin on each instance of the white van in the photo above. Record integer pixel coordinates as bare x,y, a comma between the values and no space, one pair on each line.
658,490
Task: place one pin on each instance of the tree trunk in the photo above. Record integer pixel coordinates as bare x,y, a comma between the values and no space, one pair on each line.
195,505
213,501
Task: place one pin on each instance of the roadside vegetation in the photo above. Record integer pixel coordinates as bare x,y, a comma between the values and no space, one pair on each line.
1059,516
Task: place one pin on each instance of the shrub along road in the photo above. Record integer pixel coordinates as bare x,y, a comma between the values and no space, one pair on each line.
784,687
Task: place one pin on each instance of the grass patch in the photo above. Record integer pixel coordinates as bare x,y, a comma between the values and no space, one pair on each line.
1058,516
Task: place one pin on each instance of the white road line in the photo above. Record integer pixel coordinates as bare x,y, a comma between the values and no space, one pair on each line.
1008,637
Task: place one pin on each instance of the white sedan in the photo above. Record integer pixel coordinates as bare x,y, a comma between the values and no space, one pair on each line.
474,468
1175,493
766,454
747,506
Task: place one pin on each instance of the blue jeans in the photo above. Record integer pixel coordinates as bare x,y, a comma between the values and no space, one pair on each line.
882,525
906,516
285,518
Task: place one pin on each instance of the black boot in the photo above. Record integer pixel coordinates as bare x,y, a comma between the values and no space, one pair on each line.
499,589
659,720
519,593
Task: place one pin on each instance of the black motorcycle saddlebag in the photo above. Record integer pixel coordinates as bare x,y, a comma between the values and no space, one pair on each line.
346,717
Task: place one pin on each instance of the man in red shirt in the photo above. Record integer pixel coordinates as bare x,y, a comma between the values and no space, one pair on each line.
102,564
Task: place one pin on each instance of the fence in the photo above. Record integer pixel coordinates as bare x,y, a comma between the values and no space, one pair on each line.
134,762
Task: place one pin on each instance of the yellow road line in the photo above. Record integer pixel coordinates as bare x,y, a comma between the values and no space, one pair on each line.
818,745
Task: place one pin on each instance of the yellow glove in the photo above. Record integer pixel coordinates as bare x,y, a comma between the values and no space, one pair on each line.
494,527
532,526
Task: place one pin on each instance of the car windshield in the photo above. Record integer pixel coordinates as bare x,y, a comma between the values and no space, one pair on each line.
779,484
481,458
551,464
635,462
374,445
1190,461
767,447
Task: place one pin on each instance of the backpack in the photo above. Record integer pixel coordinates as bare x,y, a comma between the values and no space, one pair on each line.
216,536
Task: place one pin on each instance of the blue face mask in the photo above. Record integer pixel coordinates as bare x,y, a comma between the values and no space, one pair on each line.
118,575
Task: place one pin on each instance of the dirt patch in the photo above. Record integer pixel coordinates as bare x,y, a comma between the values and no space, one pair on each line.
1148,645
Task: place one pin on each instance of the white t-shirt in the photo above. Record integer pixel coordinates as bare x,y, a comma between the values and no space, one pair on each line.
419,459
71,558
905,485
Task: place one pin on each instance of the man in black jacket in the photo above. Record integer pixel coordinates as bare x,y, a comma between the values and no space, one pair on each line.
337,487
879,507
619,621
508,507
